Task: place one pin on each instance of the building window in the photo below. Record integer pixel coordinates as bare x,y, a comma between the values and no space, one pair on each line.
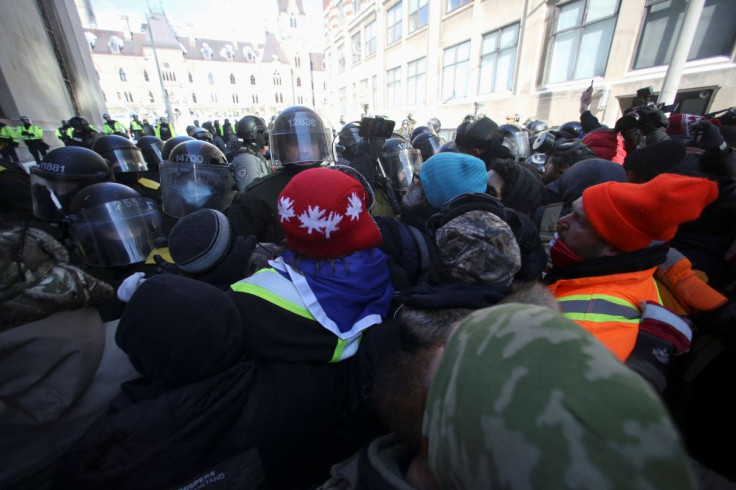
656,45
417,14
355,44
232,79
297,62
116,44
415,81
356,6
370,38
276,78
236,99
130,96
151,99
254,98
276,95
122,75
206,51
498,59
211,78
145,76
340,10
393,24
191,78
298,82
194,97
292,21
341,57
281,97
252,79
393,87
582,39
454,4
455,71
300,100
227,52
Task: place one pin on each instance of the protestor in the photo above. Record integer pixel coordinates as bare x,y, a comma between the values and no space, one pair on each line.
32,136
306,314
451,430
607,143
248,162
562,154
299,140
517,186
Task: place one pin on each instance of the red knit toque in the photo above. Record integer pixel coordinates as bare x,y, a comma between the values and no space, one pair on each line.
324,214
631,216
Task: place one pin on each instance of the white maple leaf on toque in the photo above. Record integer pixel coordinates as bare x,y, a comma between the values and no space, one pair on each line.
355,206
312,219
330,224
286,209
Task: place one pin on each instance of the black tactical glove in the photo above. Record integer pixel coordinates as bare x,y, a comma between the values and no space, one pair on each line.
707,136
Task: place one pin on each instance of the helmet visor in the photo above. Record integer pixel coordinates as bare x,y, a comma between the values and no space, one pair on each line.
152,156
520,141
126,160
52,194
117,233
302,145
187,187
402,166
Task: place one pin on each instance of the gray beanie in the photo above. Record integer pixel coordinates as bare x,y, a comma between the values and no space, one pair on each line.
199,240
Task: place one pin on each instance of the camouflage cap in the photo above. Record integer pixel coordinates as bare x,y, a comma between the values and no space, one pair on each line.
479,247
525,398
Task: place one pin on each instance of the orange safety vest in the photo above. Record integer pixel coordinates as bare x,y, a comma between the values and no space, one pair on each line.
608,306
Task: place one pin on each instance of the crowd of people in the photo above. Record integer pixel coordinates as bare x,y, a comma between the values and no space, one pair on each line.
282,305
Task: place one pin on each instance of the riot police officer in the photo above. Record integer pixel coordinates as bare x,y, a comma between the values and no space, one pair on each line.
248,162
299,139
111,126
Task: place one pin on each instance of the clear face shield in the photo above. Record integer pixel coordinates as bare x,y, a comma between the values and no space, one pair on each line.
520,141
402,166
187,187
52,194
301,145
126,160
152,156
117,233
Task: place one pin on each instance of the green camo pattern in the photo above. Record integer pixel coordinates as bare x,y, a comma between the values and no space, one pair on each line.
524,398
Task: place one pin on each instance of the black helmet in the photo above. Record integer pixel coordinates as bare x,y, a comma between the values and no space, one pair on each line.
112,225
250,129
79,123
61,174
419,130
122,154
300,137
516,139
171,143
106,117
201,134
469,118
400,161
537,126
427,143
196,175
450,146
64,122
151,148
190,130
435,124
571,129
347,140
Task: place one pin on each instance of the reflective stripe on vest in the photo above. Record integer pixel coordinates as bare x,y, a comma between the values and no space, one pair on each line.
269,285
599,308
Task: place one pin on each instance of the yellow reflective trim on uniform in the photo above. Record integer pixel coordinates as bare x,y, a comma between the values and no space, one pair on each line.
151,184
588,297
163,252
246,287
599,318
656,288
339,348
2,168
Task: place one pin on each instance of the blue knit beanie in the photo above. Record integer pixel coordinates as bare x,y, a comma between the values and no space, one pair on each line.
447,175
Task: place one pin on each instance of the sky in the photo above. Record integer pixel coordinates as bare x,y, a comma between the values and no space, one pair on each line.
214,19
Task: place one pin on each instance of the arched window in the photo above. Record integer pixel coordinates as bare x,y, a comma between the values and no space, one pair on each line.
292,21
277,98
150,97
232,79
297,62
236,99
191,78
276,78
145,75
281,97
252,79
123,76
194,97
206,51
211,78
130,96
298,82
255,98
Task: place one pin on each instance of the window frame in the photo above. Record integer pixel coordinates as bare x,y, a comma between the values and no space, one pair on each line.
370,42
497,53
356,56
394,31
413,80
421,5
393,87
453,5
455,65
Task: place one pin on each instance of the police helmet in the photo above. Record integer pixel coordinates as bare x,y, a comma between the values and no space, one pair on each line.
152,149
571,129
427,143
449,146
347,140
79,123
201,134
196,175
300,137
112,225
64,122
190,129
60,175
170,143
400,162
469,118
106,117
537,126
516,139
25,119
435,124
251,130
122,154
419,130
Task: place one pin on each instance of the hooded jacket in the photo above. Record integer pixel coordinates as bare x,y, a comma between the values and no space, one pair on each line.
607,144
